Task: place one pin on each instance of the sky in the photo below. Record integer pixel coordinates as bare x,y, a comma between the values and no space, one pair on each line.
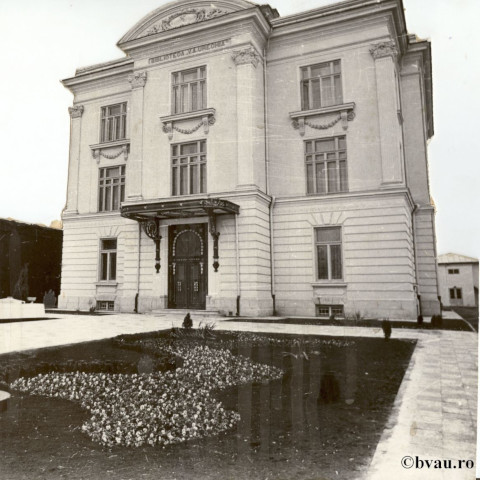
44,41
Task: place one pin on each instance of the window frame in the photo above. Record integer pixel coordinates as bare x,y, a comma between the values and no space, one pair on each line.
331,308
455,293
103,188
329,260
107,136
105,306
178,108
106,276
341,182
177,166
311,104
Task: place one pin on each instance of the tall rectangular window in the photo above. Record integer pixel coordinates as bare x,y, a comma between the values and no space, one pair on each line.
108,259
111,188
189,90
113,123
321,85
328,242
326,165
189,168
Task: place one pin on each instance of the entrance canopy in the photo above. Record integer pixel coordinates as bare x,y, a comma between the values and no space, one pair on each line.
149,215
178,209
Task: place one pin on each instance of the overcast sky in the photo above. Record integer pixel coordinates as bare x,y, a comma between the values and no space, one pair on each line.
44,41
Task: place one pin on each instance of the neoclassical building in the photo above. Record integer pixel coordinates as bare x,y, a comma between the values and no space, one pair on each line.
237,161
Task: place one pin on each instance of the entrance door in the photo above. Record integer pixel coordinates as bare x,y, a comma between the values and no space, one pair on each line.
187,279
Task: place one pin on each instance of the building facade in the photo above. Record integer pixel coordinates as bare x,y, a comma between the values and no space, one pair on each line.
458,280
239,161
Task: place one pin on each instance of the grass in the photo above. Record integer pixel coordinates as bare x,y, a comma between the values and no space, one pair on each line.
284,431
469,314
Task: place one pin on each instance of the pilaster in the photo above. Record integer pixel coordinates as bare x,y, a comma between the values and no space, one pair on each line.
246,61
385,56
134,168
76,113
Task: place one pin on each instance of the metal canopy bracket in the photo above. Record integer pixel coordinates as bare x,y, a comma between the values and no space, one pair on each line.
212,228
152,230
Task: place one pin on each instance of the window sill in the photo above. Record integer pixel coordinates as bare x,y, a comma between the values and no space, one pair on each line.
206,117
345,113
329,283
326,194
120,146
106,283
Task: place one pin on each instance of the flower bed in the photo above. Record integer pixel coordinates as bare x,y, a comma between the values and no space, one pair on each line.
225,340
158,408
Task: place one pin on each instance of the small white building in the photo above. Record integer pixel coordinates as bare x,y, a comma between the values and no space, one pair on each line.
239,161
458,279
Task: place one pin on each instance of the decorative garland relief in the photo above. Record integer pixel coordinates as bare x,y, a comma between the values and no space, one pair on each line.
99,153
207,120
343,116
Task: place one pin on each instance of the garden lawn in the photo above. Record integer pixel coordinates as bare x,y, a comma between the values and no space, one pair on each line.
278,407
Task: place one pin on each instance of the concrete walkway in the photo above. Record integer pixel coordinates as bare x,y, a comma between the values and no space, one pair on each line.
435,412
434,415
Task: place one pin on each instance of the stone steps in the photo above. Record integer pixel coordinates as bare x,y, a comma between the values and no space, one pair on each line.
181,312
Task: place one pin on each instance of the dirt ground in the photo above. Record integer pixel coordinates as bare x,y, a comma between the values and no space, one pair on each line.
288,429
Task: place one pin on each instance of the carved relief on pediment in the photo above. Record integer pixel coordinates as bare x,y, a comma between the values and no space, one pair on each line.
182,18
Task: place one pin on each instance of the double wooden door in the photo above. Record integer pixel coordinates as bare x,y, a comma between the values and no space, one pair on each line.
187,279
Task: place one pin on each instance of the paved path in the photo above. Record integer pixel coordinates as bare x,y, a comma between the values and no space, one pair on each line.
435,412
434,415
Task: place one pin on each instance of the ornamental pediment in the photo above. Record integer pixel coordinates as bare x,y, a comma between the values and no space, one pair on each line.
180,14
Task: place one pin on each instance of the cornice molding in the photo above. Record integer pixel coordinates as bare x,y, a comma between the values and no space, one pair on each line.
374,195
76,111
102,77
187,13
253,193
137,79
246,56
343,12
237,21
384,49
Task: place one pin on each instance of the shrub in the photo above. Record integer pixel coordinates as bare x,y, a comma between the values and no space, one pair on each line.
187,322
206,331
437,321
387,328
420,320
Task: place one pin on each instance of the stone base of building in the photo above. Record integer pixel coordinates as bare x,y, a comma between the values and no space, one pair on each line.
147,304
245,306
430,307
254,307
378,309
